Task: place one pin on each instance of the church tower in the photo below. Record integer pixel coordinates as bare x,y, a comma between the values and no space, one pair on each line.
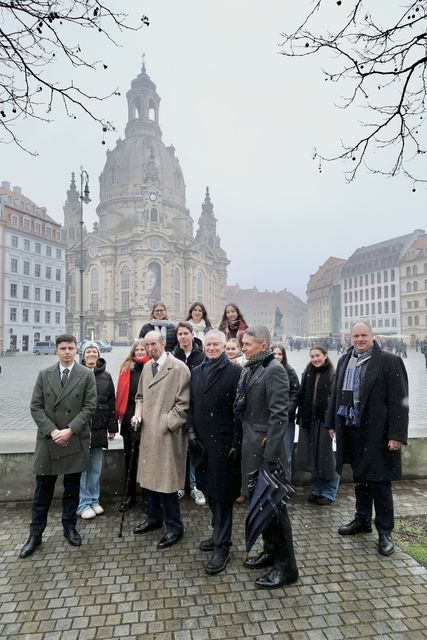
207,223
71,209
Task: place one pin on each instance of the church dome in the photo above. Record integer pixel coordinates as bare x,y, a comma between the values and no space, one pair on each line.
141,159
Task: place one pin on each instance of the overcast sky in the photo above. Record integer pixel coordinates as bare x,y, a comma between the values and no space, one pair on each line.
244,120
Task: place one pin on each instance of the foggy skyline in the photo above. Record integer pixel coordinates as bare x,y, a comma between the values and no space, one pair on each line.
244,121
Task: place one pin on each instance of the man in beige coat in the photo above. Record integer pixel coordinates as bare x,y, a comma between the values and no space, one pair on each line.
162,401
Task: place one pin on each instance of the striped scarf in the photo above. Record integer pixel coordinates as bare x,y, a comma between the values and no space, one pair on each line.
352,382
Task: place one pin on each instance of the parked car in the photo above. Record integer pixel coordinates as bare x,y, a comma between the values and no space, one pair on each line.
47,348
104,347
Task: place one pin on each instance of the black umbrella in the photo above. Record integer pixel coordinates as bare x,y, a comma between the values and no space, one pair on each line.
268,491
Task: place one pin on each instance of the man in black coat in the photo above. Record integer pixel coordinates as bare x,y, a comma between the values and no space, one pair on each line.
189,349
262,402
369,414
214,436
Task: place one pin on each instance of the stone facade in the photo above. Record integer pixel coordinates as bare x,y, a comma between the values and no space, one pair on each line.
143,249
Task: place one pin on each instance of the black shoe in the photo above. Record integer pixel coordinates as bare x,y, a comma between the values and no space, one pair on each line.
217,562
353,527
385,544
312,497
169,539
30,545
147,525
207,545
276,578
73,537
128,503
322,501
260,561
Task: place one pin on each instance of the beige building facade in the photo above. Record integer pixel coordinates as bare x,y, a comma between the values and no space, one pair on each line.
413,278
143,249
323,299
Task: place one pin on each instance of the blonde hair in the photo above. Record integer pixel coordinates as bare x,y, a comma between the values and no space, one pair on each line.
126,364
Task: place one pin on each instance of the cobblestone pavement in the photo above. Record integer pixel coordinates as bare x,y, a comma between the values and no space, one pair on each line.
19,375
124,588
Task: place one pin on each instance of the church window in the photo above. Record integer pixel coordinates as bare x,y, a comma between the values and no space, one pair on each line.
123,330
154,215
125,300
152,111
125,277
94,301
200,285
94,280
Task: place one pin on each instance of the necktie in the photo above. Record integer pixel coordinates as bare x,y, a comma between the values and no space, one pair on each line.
154,368
64,377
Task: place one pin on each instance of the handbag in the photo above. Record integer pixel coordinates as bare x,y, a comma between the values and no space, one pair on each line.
59,451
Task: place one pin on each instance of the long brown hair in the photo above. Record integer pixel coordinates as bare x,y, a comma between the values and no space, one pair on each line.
240,317
129,360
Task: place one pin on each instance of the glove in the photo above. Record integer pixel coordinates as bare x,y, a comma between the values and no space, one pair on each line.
272,466
232,454
194,445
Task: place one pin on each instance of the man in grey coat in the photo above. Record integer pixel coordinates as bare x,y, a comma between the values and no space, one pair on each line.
262,402
63,401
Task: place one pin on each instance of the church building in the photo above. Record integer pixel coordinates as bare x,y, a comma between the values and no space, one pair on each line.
143,249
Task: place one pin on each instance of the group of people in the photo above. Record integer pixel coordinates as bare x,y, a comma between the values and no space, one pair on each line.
230,398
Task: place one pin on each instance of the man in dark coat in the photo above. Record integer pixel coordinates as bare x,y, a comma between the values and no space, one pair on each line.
262,402
63,401
214,436
369,414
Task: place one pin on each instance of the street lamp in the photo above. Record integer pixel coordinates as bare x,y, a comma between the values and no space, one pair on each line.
84,198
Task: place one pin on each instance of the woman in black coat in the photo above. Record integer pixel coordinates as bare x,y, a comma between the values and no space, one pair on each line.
103,428
127,386
160,322
314,452
279,353
214,436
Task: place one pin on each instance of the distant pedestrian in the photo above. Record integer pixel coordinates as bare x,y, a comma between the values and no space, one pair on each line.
369,414
62,405
314,451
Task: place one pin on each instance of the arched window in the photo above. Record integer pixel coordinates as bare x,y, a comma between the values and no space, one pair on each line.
414,270
408,271
36,336
177,289
152,113
154,215
416,321
125,277
94,280
408,287
415,286
200,286
409,321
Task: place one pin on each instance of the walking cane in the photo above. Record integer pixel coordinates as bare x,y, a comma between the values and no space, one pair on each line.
131,461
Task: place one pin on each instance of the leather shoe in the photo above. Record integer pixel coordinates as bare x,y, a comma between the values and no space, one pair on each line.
322,501
312,497
169,539
30,545
127,504
276,578
147,525
217,562
73,537
385,544
207,545
260,561
353,527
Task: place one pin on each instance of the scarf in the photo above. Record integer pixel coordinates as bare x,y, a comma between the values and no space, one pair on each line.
350,400
199,329
161,326
233,327
314,393
209,369
249,368
123,386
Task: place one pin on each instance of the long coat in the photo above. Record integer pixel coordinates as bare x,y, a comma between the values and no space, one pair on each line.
162,403
104,420
53,406
383,417
265,416
212,420
314,451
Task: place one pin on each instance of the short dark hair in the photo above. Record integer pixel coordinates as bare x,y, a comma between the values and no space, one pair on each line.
65,337
185,325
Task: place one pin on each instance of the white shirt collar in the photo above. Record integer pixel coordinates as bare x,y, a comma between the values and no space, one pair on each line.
61,367
162,359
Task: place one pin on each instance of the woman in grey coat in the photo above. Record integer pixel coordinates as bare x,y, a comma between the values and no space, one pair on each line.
314,452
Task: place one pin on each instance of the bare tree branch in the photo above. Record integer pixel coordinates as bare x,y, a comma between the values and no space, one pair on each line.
34,34
384,56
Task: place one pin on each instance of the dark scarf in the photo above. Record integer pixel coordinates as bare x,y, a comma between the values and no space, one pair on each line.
233,327
314,398
209,368
260,359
